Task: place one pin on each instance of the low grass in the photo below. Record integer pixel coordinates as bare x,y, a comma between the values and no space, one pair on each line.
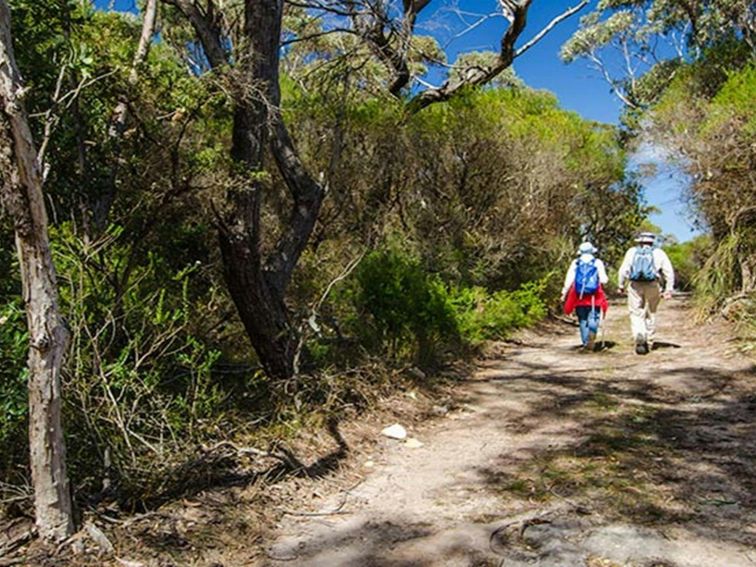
613,470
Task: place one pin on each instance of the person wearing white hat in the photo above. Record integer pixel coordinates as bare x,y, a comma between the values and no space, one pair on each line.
583,292
647,268
586,253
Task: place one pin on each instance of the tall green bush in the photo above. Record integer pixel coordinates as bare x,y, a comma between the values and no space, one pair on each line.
140,392
409,308
14,343
414,313
707,115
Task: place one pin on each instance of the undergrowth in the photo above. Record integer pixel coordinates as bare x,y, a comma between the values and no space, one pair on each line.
147,396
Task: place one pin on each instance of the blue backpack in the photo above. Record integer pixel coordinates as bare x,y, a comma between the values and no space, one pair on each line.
586,278
643,268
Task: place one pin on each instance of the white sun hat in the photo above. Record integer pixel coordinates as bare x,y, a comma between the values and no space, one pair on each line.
645,238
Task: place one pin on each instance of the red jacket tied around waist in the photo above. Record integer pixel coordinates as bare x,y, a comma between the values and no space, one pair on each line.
597,300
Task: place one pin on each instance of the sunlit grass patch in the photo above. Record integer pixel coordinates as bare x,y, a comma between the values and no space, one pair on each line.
603,401
615,469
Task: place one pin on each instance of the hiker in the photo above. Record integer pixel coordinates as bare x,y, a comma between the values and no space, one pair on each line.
583,292
647,268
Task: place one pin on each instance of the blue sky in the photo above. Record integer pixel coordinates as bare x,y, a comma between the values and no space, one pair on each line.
578,87
120,5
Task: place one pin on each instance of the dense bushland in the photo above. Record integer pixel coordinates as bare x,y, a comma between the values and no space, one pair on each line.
707,115
440,230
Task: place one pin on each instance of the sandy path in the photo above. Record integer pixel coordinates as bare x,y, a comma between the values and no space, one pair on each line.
561,458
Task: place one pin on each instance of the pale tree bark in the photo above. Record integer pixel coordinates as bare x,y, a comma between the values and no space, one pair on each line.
48,337
119,119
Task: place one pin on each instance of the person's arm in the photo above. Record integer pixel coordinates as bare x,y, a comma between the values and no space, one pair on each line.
569,279
668,272
603,278
624,271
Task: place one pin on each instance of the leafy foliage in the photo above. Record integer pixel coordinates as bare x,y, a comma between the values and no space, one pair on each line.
637,45
707,116
13,390
696,99
408,305
484,316
459,215
688,259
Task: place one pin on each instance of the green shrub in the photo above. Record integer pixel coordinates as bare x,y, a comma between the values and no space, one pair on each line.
139,390
719,277
414,313
687,259
14,343
482,316
409,308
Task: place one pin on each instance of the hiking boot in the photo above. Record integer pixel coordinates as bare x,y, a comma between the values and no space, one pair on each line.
591,344
641,347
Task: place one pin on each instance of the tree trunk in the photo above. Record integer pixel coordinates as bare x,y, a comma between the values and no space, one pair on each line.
256,283
261,309
23,198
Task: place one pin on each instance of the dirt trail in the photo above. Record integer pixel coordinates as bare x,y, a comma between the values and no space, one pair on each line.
561,458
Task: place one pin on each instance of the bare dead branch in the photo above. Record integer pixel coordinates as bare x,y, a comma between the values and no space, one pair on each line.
516,13
550,26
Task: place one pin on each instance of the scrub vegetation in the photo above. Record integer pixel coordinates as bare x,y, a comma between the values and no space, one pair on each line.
255,232
440,230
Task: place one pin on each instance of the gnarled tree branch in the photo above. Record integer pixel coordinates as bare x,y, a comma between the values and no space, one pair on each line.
206,24
516,13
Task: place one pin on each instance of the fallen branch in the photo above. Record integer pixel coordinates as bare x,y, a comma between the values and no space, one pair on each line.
236,449
336,512
14,541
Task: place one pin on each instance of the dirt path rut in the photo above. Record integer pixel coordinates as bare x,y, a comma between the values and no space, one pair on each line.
558,458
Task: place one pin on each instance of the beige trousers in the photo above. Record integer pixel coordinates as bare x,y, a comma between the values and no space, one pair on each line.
643,300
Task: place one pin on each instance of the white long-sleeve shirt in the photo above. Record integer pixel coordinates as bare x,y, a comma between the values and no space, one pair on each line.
569,279
662,265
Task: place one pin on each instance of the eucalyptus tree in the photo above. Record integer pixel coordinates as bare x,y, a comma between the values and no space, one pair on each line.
684,70
245,43
637,45
22,197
